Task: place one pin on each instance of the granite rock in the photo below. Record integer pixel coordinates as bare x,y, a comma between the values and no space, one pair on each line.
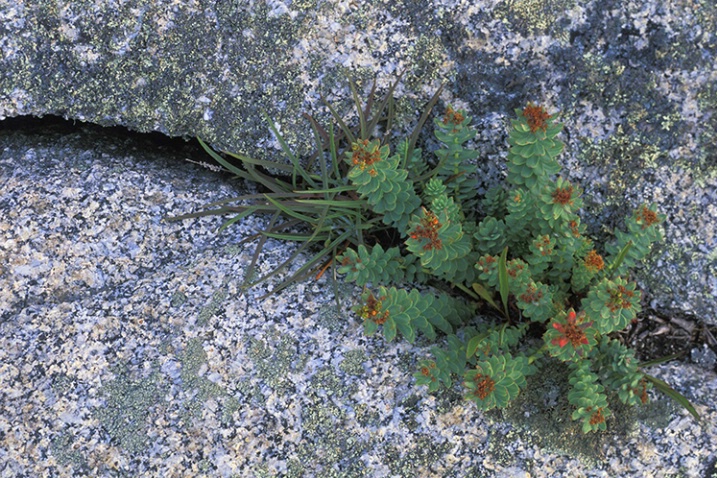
129,348
634,82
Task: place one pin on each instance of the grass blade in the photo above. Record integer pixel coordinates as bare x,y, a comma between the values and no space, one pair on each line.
485,295
289,212
661,360
674,394
503,281
261,162
424,116
619,259
338,203
337,189
359,110
255,257
305,270
387,100
345,129
294,160
326,183
238,217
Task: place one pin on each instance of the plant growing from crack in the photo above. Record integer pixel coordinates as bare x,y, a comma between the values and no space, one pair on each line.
556,296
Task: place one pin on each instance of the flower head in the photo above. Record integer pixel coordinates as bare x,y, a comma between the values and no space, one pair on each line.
484,386
571,332
428,229
594,261
537,117
373,311
365,153
453,117
647,217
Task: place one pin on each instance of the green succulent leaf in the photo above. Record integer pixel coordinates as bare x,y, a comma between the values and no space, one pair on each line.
496,381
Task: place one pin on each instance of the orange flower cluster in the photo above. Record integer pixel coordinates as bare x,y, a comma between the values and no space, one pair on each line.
363,156
643,390
563,195
537,117
544,246
572,332
484,386
428,229
531,294
372,310
452,117
619,298
594,262
426,370
647,217
574,228
515,268
596,417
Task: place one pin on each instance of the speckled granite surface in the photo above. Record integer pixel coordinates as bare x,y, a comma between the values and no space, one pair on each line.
635,79
127,349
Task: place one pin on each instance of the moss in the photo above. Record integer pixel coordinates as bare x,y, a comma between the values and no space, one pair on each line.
541,416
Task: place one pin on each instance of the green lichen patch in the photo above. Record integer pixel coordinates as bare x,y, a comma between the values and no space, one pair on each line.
624,158
366,416
335,454
334,318
128,405
707,99
531,17
62,449
327,381
274,359
321,416
194,359
213,307
353,361
414,462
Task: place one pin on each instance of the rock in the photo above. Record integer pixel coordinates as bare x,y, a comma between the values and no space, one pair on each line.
634,83
127,346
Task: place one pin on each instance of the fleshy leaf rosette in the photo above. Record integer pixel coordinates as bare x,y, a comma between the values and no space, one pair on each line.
588,397
379,179
570,336
496,381
611,305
